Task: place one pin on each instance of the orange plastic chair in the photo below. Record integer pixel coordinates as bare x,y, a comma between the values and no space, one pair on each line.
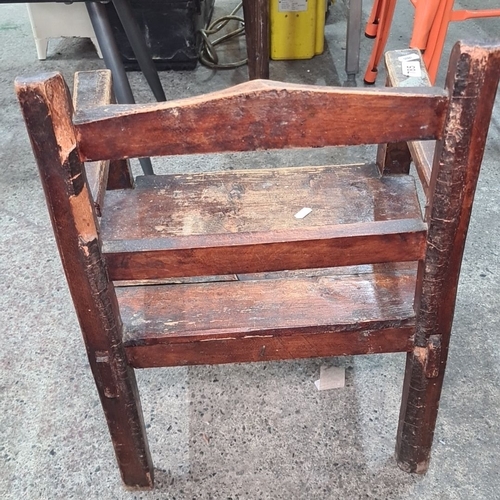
430,28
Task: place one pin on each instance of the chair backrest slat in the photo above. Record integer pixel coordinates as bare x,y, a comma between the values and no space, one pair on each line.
261,115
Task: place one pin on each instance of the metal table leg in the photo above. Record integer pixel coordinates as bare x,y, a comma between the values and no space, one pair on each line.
113,61
353,40
136,39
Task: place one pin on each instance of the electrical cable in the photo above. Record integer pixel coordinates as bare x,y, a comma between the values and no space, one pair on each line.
208,55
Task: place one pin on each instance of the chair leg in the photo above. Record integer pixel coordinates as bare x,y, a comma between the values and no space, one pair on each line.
97,48
47,105
419,406
384,27
120,401
41,48
425,13
473,72
256,14
371,28
437,37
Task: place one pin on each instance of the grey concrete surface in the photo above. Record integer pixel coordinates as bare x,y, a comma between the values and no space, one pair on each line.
242,431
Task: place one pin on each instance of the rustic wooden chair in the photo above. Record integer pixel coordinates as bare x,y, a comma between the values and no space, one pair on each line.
382,277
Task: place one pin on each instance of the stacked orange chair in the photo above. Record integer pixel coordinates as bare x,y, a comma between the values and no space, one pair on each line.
430,27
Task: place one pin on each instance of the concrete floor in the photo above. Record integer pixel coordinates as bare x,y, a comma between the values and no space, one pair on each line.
242,431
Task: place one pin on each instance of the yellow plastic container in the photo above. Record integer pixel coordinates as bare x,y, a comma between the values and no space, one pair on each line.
297,28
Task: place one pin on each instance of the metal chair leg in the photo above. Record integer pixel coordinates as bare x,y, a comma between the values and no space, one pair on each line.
141,51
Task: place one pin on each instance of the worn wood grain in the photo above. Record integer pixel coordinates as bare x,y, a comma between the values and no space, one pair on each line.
243,221
349,271
343,245
47,110
261,115
170,229
256,200
422,152
91,89
256,14
268,319
472,81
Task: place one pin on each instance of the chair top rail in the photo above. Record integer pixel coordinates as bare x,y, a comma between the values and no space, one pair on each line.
258,115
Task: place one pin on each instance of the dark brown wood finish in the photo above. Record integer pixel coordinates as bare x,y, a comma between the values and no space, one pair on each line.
343,245
120,175
91,89
390,157
256,14
243,222
161,239
472,81
270,347
394,158
269,319
261,115
47,110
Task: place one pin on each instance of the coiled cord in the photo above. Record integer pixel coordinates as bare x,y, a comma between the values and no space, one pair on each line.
208,55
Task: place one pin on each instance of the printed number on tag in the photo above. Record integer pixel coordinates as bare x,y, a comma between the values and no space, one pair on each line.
411,68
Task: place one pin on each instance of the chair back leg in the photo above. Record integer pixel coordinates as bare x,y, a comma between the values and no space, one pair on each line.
472,82
47,109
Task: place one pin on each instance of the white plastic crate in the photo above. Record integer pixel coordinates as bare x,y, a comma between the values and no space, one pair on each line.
50,20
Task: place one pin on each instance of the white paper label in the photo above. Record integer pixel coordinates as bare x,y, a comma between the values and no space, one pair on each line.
292,5
409,57
411,68
303,212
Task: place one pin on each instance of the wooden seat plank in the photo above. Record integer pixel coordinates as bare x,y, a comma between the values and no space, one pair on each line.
269,319
211,223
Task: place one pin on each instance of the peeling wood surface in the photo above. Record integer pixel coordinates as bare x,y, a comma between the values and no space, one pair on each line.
472,81
261,115
269,319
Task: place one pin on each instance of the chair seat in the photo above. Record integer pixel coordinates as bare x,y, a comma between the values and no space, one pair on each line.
261,316
212,223
327,312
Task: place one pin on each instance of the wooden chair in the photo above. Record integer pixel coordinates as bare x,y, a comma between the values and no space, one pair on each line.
372,274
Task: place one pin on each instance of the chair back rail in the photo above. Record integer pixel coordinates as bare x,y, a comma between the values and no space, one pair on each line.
260,115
